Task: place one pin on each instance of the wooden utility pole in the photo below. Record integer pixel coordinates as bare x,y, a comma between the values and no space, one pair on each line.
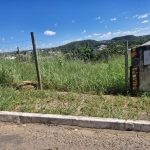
18,52
36,61
126,66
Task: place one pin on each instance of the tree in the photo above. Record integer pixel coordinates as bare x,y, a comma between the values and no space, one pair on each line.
84,53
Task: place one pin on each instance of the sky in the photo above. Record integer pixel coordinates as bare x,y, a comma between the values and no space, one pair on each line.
58,22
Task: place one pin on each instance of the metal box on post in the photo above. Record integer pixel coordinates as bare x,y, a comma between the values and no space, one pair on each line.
140,68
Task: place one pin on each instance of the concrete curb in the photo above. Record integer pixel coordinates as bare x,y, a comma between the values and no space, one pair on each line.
87,122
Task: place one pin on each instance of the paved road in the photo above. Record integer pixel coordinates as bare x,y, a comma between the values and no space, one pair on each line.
48,137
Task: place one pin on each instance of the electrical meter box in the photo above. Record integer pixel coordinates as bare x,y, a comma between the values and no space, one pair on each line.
140,68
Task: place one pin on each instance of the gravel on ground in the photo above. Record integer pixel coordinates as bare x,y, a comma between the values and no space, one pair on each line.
53,137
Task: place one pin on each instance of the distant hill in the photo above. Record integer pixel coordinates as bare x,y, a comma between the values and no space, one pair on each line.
127,37
132,40
77,44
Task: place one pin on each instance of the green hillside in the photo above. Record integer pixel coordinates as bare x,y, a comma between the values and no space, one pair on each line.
93,44
74,45
133,40
127,37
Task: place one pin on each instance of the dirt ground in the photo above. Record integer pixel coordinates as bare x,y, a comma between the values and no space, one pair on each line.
51,137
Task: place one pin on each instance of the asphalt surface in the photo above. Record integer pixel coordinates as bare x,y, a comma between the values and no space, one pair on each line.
51,137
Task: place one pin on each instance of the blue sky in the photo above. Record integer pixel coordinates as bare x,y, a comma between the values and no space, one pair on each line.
57,22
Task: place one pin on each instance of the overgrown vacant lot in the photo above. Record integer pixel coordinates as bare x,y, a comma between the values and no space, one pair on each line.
70,87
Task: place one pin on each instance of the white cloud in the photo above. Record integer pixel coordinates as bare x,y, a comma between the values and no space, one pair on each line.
129,32
73,21
96,34
3,39
43,45
50,44
117,33
145,21
84,31
56,24
88,37
143,16
49,33
126,17
147,28
138,28
125,12
107,35
65,42
99,17
142,33
136,32
113,19
105,26
79,39
135,16
102,21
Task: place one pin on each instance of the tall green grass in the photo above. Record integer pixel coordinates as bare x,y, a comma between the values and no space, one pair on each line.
78,76
16,71
69,75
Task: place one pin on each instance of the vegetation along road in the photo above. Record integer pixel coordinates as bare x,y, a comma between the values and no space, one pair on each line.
48,137
84,81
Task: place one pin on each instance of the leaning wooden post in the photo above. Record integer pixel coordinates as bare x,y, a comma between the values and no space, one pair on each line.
126,66
36,61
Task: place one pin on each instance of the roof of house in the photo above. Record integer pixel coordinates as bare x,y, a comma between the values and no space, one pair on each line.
147,43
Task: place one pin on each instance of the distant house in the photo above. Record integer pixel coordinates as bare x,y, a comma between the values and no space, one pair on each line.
10,57
102,47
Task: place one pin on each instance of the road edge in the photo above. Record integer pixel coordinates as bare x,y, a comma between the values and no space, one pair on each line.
80,121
